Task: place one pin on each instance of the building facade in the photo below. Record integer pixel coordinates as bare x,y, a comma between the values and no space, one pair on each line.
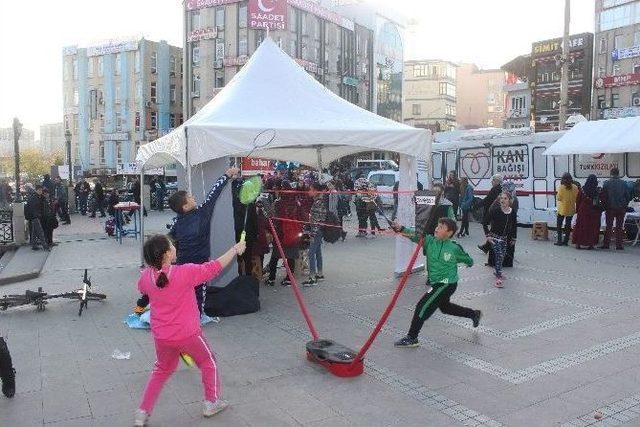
220,35
480,97
517,104
617,59
430,94
544,79
117,96
27,140
52,138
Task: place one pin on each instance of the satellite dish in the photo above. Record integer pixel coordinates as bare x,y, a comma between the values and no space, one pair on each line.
576,118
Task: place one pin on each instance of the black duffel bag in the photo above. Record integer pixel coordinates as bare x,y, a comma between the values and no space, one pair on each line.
241,296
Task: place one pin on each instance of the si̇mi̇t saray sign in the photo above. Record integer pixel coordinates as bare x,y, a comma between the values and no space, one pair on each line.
268,14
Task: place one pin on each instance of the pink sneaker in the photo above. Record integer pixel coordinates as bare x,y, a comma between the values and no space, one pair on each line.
499,283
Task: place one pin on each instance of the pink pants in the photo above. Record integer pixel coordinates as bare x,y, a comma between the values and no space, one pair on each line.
168,355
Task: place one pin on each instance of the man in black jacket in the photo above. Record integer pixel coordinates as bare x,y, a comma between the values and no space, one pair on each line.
487,202
34,212
98,196
61,196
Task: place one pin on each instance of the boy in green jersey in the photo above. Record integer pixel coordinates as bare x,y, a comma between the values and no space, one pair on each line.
443,256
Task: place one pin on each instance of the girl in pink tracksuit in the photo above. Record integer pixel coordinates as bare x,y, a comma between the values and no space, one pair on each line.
175,320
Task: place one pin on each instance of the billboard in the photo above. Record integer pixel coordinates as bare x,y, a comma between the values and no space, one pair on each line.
268,14
255,166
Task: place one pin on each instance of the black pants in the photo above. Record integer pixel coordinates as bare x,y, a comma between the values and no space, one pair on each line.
437,297
273,264
98,206
373,220
6,366
567,227
63,211
464,227
363,216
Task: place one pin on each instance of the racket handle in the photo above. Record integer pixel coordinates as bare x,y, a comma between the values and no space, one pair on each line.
243,236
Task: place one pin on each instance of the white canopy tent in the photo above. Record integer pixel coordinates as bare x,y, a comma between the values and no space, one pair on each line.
274,97
600,136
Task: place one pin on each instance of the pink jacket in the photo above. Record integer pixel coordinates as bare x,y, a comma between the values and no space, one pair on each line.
174,310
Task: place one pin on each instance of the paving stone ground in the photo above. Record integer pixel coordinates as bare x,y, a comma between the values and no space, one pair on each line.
557,344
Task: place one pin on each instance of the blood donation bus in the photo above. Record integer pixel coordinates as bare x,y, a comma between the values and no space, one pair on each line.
517,154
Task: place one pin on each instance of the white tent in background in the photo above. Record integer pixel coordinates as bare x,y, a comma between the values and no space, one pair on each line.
274,109
600,136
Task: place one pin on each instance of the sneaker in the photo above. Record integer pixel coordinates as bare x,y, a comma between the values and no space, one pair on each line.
270,282
476,318
285,282
499,283
311,281
209,409
141,418
361,234
407,342
319,277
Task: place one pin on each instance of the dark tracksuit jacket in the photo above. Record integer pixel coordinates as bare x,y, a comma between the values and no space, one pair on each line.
191,233
443,257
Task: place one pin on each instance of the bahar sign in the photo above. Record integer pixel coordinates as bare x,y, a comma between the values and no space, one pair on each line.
511,161
268,14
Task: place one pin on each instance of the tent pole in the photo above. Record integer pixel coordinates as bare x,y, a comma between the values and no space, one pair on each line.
188,165
140,212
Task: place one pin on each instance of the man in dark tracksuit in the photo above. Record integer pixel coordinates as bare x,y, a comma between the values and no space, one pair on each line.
443,256
191,230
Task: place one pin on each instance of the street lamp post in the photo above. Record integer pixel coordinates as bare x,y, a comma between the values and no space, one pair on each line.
17,131
67,137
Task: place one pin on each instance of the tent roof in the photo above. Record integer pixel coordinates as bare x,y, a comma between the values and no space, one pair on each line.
273,93
601,136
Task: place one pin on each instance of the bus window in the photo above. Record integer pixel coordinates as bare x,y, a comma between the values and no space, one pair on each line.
539,163
633,165
450,161
540,200
560,165
436,165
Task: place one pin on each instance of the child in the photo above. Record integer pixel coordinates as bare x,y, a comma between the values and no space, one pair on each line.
191,231
175,322
503,229
7,373
443,256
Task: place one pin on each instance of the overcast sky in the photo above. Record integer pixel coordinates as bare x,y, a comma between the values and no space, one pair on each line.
32,34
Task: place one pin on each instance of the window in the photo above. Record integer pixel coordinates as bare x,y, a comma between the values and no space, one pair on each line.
616,69
100,66
74,65
195,54
635,99
172,65
416,110
137,124
620,16
633,166
153,96
172,93
618,42
195,87
242,15
636,38
117,63
154,62
539,163
101,119
195,20
172,120
101,153
117,95
219,50
219,81
136,61
153,120
90,67
560,165
119,151
66,70
242,43
436,165
636,68
601,102
118,122
138,90
603,45
447,89
75,123
220,18
615,100
76,97
601,71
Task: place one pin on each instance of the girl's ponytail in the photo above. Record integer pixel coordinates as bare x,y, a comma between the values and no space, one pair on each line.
154,250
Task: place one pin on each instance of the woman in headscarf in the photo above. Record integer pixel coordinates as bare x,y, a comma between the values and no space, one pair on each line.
587,229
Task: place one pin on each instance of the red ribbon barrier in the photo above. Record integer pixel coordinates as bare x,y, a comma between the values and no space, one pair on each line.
294,284
324,224
390,306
